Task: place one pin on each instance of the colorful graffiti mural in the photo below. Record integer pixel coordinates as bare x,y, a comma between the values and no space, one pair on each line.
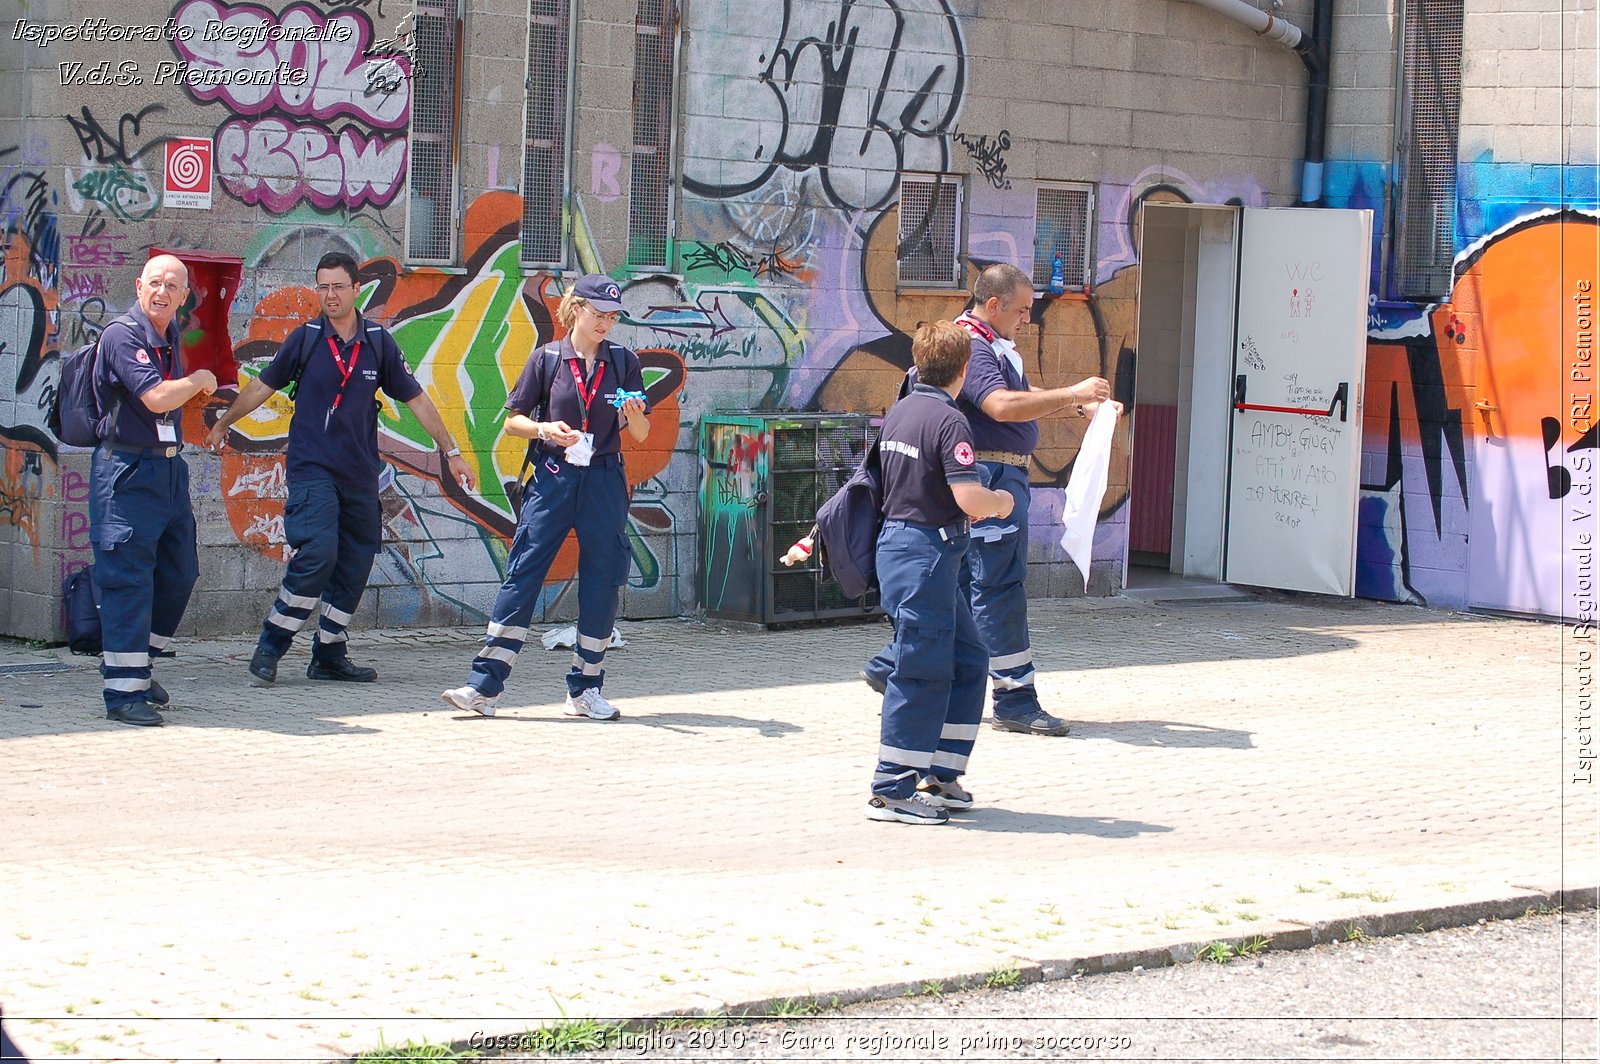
310,66
467,337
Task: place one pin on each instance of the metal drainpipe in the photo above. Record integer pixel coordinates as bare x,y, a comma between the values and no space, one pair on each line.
1314,50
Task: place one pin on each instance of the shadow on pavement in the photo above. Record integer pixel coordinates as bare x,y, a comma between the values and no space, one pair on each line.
1164,733
990,818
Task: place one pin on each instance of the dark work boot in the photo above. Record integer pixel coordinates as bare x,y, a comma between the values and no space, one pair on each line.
263,667
340,669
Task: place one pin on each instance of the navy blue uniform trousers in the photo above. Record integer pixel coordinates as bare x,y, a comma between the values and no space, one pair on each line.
934,697
335,532
144,561
592,499
994,579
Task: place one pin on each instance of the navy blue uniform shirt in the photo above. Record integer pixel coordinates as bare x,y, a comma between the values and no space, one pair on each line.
341,444
131,362
989,372
925,446
558,398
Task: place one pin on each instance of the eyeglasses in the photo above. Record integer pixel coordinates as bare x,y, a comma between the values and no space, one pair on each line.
333,289
167,286
610,316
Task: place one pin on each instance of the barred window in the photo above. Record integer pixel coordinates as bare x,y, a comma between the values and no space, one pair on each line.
930,230
650,190
435,111
1427,131
546,133
1063,221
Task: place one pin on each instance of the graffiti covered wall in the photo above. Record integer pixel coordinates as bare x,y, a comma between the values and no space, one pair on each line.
794,123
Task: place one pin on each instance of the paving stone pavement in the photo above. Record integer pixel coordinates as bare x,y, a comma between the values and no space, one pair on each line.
294,874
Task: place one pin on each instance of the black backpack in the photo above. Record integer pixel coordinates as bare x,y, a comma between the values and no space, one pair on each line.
80,594
847,529
74,415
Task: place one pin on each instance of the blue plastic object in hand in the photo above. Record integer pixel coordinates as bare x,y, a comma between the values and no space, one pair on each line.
622,395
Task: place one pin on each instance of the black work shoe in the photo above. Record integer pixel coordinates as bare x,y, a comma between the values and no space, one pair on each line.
157,695
136,713
873,682
263,667
340,669
1034,722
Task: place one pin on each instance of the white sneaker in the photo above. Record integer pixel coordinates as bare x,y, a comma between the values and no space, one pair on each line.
592,704
469,698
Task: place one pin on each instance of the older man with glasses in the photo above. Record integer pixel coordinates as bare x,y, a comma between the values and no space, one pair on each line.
332,519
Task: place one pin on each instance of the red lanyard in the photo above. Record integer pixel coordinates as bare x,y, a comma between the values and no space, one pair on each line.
586,394
976,326
355,353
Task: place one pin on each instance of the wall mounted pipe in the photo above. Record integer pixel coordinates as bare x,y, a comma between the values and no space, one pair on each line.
1313,50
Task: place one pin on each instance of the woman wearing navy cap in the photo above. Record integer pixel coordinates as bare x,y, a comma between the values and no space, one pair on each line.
584,390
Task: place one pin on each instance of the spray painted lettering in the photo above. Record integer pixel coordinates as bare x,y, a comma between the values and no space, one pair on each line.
330,50
276,164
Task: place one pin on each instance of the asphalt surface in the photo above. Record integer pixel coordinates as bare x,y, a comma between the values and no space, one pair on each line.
1516,990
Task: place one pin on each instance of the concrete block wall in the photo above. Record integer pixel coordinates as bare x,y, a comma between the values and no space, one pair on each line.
784,290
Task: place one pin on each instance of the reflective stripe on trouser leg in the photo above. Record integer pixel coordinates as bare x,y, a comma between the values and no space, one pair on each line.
996,576
360,535
917,699
961,720
603,560
311,528
543,526
142,532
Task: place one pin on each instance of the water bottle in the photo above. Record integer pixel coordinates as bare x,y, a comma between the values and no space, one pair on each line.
1058,275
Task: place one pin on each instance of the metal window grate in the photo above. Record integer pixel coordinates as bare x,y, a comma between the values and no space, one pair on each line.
434,104
545,132
650,191
930,227
1062,222
1429,129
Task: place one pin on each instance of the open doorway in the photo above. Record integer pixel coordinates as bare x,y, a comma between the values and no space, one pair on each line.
1188,269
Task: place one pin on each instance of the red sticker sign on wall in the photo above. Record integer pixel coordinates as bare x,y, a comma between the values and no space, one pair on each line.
189,172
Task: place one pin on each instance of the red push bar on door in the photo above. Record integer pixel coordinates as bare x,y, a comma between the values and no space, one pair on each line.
1341,398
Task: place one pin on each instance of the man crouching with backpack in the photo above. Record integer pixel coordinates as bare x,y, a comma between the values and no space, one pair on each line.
140,514
933,701
332,519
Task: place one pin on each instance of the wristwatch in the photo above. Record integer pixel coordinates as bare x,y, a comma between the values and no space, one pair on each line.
454,452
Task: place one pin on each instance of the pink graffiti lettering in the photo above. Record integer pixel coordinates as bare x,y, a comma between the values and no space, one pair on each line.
75,529
74,486
605,166
75,286
96,250
277,165
331,52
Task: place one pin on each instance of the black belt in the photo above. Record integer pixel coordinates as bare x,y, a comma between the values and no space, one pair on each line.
170,451
602,460
946,532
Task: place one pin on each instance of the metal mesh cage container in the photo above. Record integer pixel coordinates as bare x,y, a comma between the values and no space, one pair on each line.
765,476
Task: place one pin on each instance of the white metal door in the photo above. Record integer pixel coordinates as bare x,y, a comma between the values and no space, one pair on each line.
1299,355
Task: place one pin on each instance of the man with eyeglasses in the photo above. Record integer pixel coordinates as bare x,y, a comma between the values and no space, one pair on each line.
140,515
332,519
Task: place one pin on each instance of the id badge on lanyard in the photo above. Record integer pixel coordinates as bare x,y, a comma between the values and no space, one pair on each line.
166,431
580,453
355,354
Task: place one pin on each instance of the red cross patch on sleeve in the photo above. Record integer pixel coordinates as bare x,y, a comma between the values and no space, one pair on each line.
963,453
142,356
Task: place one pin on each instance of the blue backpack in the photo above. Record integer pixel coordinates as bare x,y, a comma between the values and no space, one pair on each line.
847,529
74,415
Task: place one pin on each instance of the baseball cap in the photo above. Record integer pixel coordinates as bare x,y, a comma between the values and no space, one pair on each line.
600,292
